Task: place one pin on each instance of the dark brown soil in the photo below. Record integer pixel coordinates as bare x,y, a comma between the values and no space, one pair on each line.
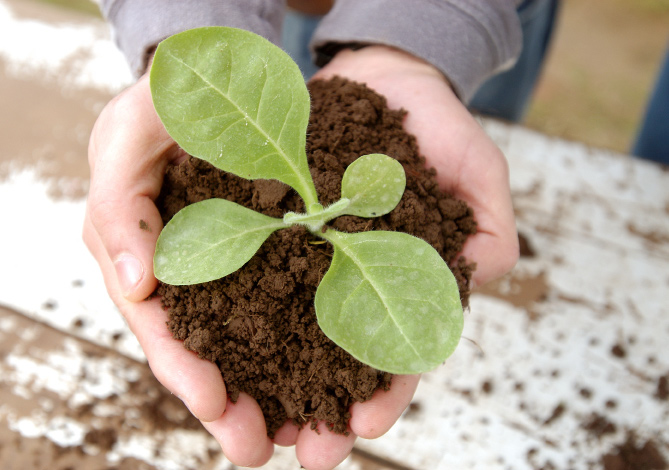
633,455
258,324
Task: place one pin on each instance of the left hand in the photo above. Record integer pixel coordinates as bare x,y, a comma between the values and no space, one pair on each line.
468,165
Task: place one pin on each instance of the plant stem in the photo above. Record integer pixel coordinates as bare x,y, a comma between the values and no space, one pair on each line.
308,193
318,215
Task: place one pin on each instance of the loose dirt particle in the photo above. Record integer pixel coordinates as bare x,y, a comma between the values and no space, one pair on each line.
585,393
662,392
598,425
631,455
102,438
526,248
618,351
558,411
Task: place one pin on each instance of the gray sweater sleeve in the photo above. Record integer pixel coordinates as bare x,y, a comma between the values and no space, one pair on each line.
467,40
139,25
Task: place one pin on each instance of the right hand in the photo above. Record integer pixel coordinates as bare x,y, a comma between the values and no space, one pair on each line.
129,151
469,165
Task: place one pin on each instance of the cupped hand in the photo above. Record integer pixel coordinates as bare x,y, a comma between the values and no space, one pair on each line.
129,151
469,165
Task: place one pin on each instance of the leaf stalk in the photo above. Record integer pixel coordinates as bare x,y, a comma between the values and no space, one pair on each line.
318,217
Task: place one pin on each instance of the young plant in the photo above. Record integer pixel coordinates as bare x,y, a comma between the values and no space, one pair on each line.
232,98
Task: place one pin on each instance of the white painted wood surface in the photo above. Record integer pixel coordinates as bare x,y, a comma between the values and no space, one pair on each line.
537,363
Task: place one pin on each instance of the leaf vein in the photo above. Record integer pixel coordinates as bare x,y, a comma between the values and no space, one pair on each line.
369,279
374,335
261,94
274,142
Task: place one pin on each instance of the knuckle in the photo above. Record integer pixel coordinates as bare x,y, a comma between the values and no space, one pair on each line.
101,210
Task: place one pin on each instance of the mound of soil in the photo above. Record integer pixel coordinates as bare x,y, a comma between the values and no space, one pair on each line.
258,324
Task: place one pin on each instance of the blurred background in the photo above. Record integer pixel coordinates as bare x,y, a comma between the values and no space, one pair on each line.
567,371
601,66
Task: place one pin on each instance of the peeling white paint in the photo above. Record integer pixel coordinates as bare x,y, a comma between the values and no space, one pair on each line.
75,55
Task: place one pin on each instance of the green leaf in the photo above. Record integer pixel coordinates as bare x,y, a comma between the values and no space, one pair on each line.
208,240
390,301
374,184
234,99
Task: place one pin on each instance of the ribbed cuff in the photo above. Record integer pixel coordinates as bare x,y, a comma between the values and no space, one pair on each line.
139,25
467,40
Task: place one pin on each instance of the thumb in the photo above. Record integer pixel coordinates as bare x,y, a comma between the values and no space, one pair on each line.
128,153
127,227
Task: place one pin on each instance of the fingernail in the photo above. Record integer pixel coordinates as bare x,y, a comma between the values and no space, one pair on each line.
129,271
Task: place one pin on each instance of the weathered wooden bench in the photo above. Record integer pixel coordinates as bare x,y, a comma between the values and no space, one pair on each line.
564,362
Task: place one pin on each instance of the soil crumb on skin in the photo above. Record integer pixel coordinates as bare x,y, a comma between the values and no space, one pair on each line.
143,225
258,324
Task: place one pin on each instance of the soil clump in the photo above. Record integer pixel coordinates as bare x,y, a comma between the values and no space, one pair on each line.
258,324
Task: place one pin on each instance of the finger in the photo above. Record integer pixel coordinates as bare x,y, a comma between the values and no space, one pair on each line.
321,449
471,167
286,435
198,383
242,433
494,255
128,226
128,153
494,248
373,418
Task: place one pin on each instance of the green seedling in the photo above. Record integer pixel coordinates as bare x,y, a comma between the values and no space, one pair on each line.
232,98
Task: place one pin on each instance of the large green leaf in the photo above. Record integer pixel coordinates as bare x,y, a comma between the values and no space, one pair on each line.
208,240
374,184
234,99
390,300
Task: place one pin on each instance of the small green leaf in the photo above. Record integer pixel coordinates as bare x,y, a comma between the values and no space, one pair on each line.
208,240
390,301
234,99
374,184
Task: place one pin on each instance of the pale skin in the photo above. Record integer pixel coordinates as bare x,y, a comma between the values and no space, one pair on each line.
128,153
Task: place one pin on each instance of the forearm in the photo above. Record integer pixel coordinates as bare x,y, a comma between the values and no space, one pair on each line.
139,25
467,40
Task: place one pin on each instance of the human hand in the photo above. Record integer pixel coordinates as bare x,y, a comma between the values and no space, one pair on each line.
468,163
128,154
